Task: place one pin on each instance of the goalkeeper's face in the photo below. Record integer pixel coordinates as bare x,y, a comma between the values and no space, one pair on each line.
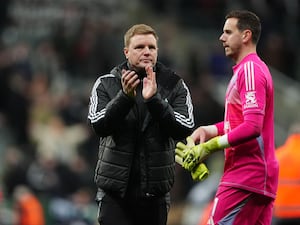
232,39
142,51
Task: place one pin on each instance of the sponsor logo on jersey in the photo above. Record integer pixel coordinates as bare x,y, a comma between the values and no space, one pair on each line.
250,100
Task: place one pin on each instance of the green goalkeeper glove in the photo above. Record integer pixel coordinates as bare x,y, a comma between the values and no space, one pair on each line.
194,155
200,171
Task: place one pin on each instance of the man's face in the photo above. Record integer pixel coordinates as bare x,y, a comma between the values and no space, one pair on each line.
142,51
232,38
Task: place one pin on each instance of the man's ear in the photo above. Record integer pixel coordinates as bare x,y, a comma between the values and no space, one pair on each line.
125,50
247,34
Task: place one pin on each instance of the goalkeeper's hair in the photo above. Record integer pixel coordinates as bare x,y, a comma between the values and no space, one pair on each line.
247,21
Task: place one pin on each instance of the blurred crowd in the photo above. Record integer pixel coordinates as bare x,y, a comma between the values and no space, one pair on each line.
51,52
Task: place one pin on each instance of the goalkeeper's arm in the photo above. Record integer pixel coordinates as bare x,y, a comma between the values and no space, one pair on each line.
200,152
204,133
249,129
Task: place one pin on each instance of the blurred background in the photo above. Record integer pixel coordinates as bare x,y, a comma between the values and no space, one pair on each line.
52,51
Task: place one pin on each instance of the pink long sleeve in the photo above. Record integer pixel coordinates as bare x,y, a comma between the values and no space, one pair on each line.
249,129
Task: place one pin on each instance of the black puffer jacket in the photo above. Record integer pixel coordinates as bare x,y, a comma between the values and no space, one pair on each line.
137,137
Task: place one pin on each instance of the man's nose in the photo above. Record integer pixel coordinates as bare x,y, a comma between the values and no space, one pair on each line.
146,50
221,38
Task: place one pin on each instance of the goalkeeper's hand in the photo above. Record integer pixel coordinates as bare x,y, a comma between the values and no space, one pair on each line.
200,171
193,156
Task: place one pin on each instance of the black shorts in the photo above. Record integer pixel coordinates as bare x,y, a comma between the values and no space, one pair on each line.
147,211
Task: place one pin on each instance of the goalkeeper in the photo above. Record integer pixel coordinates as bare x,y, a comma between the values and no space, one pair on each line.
248,186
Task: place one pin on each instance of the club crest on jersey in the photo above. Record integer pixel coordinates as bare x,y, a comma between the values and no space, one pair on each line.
250,100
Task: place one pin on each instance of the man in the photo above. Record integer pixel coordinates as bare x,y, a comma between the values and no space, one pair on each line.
138,110
287,202
248,186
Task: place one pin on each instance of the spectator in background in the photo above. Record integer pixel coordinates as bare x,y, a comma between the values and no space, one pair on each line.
277,53
287,202
28,208
138,110
13,169
15,77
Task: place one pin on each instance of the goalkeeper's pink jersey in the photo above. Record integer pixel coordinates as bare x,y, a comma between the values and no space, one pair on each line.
250,164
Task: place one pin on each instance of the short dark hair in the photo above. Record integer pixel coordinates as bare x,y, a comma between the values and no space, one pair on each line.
247,21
